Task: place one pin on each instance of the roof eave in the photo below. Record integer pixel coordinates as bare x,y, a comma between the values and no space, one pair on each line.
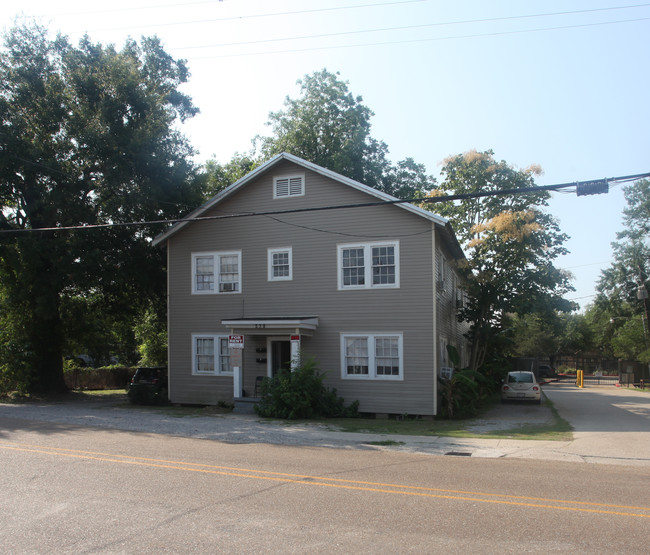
438,220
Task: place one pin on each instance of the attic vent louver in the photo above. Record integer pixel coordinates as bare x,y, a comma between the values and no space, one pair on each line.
288,186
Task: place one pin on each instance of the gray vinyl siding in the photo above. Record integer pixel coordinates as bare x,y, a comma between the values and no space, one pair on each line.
447,324
313,237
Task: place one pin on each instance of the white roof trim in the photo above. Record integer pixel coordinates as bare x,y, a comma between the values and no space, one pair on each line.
266,326
439,220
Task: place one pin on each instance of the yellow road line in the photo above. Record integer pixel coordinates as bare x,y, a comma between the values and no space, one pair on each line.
358,485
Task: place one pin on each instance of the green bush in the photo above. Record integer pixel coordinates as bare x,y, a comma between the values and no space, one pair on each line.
301,394
151,335
461,395
107,377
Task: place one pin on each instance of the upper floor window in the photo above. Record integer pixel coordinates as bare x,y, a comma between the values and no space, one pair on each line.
210,355
280,264
289,186
216,272
441,272
363,266
372,356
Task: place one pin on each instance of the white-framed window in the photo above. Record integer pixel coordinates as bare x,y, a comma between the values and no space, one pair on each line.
374,356
441,272
446,370
285,186
216,272
368,265
280,264
210,355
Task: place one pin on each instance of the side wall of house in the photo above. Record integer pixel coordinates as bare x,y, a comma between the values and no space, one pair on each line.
313,291
450,296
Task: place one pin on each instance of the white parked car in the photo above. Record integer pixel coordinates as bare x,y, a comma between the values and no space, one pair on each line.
521,386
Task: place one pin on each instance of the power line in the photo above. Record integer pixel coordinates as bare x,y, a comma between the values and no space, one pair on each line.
400,28
441,198
229,18
412,41
132,9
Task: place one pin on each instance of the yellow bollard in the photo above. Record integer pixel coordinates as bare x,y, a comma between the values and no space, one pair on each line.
580,378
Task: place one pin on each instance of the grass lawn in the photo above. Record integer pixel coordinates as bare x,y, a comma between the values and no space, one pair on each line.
556,430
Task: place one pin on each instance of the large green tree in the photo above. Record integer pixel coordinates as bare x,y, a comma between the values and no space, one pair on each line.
510,243
549,334
89,136
329,126
623,287
215,176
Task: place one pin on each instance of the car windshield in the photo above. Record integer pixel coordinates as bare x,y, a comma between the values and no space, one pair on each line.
520,377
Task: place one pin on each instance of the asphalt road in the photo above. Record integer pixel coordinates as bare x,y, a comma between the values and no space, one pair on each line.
73,489
611,424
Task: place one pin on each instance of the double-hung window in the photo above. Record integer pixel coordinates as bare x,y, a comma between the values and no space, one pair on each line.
216,272
372,356
368,265
280,264
210,355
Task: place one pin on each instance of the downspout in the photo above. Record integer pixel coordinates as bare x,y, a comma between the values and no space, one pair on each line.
435,319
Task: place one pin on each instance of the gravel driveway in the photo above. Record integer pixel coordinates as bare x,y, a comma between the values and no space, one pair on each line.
113,412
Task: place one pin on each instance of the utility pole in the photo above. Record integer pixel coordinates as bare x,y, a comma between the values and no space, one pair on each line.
642,295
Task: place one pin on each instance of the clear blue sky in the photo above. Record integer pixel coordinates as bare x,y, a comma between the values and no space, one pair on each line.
529,80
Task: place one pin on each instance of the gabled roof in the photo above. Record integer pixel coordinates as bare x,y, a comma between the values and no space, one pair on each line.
441,223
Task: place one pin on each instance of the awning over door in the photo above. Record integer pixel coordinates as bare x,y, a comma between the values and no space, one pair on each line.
284,325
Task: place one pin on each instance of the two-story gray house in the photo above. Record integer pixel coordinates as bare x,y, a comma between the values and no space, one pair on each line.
296,259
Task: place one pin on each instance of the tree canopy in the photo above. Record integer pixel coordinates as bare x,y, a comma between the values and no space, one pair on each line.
623,287
510,244
329,126
88,137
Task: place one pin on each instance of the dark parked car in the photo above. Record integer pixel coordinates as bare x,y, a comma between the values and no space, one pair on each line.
545,371
149,386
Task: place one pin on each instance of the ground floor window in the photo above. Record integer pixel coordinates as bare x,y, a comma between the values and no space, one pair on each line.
210,355
372,356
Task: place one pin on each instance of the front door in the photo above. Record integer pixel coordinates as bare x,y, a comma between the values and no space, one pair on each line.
280,355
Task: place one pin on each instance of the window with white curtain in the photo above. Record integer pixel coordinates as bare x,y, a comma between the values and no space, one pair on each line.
210,355
372,356
368,265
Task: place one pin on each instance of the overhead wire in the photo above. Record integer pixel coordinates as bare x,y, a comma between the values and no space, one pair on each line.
229,18
384,29
441,198
401,28
413,41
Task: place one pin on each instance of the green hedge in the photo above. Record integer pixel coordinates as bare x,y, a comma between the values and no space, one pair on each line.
109,377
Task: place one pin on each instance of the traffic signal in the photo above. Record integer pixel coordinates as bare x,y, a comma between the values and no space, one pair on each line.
596,187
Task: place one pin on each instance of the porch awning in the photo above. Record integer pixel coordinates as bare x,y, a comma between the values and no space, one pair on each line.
283,325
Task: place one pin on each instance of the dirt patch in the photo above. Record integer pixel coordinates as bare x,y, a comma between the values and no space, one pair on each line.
510,416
